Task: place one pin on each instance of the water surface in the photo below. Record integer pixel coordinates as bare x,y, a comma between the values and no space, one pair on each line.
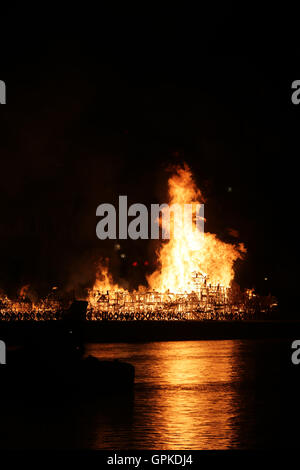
188,395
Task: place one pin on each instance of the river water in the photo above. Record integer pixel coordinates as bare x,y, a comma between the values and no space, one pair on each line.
188,395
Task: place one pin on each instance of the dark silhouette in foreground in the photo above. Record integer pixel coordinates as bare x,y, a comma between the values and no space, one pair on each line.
55,364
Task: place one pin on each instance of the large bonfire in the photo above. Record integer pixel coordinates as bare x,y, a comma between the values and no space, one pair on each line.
193,280
190,251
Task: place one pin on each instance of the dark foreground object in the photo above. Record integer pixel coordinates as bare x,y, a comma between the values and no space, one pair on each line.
51,362
27,375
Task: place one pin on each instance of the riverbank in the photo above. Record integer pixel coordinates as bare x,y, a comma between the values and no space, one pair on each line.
141,331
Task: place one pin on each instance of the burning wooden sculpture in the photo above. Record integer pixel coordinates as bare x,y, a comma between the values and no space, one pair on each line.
205,302
194,278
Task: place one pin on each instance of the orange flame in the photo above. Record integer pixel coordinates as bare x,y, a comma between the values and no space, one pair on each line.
104,280
24,291
192,252
103,283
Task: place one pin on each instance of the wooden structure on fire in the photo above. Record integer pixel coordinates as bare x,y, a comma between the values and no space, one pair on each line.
202,301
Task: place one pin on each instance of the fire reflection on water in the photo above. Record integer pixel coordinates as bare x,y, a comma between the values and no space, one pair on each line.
185,398
188,395
197,413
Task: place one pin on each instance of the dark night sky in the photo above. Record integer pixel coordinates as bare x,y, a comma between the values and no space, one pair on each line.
81,128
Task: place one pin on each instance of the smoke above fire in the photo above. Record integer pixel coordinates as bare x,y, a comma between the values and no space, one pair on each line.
191,252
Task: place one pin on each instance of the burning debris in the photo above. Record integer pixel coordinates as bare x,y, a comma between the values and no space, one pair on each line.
23,308
194,280
206,301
